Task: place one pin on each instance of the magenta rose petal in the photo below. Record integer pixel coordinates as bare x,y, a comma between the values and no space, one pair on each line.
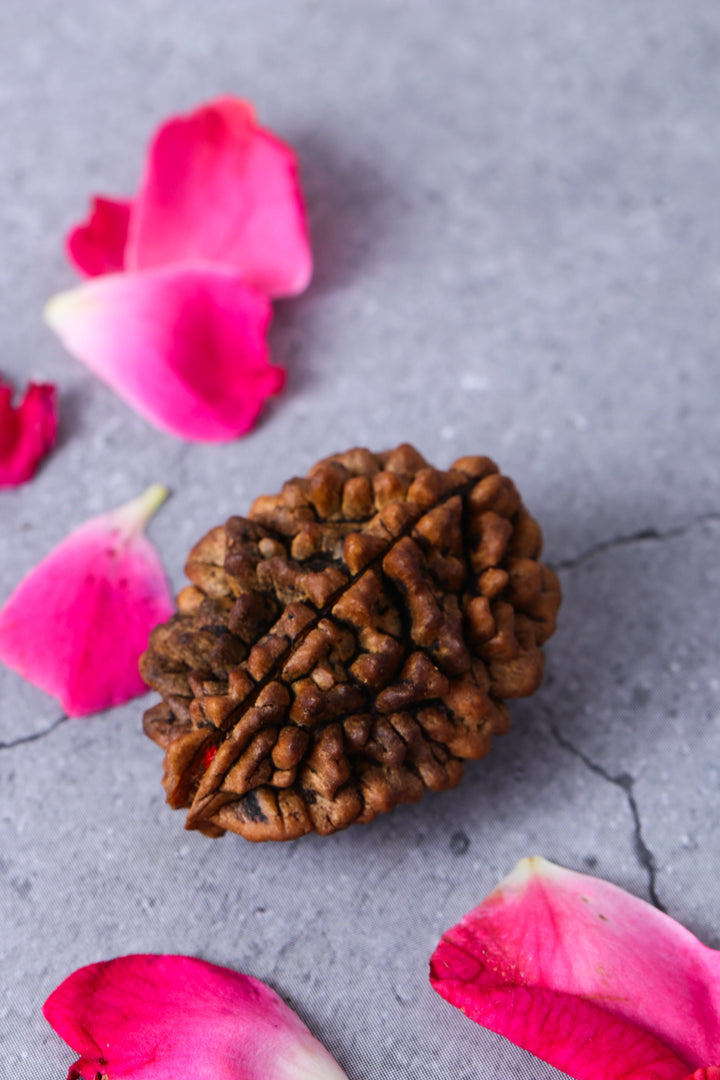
97,245
184,346
78,623
219,188
594,981
27,432
176,1018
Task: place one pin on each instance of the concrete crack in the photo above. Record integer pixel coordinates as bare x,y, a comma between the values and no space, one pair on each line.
643,535
35,736
626,783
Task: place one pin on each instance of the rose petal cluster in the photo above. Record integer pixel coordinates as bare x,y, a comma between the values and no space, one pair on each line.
175,314
78,623
592,980
27,431
175,1017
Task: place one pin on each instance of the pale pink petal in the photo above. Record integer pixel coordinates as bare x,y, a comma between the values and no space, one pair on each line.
176,1018
593,980
219,188
77,624
97,245
185,347
27,432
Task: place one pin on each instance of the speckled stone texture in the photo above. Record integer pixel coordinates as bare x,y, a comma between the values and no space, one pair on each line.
515,217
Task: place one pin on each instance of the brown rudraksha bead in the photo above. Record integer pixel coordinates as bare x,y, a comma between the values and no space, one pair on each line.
347,645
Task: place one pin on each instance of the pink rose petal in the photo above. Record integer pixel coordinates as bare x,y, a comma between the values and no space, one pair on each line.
175,1018
77,624
177,326
585,976
27,432
97,245
221,189
184,346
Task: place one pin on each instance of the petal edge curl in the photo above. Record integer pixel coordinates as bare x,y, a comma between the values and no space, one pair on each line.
592,980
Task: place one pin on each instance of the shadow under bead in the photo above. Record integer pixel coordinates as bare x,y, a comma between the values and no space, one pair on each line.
348,645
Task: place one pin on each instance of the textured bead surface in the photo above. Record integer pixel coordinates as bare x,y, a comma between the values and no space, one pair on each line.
347,645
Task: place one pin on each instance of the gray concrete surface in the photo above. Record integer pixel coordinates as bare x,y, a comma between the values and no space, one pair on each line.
515,219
